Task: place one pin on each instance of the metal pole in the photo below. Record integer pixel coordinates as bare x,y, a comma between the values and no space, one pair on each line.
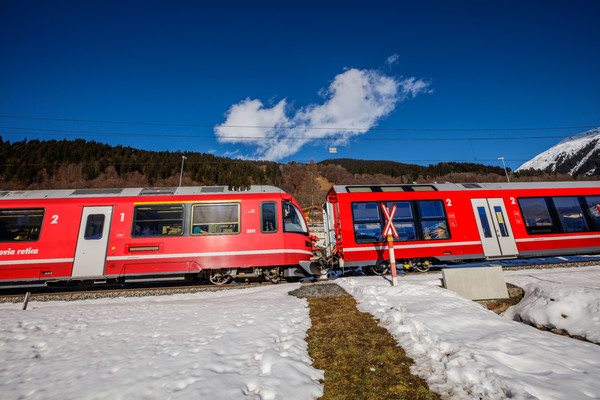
505,170
181,173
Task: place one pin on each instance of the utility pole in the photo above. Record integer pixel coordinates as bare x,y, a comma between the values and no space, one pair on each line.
181,173
505,170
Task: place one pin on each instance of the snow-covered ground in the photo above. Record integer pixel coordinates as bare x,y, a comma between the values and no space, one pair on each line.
249,343
246,343
465,351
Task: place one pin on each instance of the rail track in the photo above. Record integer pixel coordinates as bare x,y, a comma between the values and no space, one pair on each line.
39,292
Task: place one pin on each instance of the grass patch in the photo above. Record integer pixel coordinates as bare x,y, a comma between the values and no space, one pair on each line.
361,360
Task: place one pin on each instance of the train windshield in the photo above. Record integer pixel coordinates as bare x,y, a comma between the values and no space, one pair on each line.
293,220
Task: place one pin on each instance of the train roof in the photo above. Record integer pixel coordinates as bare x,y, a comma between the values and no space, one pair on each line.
132,192
462,186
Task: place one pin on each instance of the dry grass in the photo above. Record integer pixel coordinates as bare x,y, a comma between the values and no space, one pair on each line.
360,359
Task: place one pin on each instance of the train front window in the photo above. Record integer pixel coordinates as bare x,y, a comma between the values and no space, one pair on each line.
21,225
433,220
216,219
536,215
293,220
367,223
157,220
570,214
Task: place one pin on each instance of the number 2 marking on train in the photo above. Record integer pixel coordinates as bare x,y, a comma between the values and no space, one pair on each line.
449,202
512,201
54,220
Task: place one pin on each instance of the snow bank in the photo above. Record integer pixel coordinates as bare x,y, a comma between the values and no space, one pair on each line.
232,344
564,298
464,351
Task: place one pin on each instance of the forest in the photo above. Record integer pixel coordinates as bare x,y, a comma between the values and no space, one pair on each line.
62,164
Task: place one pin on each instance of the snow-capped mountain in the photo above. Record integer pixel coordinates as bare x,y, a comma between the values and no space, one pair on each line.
574,155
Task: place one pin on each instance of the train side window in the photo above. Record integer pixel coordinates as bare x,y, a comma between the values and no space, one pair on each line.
367,222
94,227
268,219
21,224
536,215
157,220
404,220
293,220
570,214
593,209
216,219
433,220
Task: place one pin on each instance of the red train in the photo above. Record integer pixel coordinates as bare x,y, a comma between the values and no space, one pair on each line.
441,223
111,234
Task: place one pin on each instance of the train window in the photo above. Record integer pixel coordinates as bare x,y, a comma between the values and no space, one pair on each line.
432,209
94,227
216,219
293,220
367,223
485,223
391,188
158,220
403,220
570,214
359,189
21,225
433,220
593,208
536,215
268,217
423,188
501,221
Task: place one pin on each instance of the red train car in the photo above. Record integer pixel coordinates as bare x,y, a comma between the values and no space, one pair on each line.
461,222
197,232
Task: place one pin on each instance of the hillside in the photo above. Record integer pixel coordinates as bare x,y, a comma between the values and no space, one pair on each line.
574,155
60,164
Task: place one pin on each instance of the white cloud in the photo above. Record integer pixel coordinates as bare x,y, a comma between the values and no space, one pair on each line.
391,60
353,103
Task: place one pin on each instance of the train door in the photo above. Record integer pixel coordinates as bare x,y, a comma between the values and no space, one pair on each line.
329,227
494,228
92,242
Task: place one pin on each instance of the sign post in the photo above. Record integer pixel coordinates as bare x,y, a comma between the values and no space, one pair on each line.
389,231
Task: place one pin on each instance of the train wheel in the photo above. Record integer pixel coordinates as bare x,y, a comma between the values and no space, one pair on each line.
273,275
220,277
381,268
422,264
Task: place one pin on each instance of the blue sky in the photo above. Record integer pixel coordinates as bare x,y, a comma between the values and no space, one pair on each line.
393,80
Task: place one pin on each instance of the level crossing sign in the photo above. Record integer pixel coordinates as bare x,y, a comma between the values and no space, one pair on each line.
390,229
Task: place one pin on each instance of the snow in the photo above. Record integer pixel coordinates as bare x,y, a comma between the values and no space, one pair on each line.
246,343
250,343
464,351
565,149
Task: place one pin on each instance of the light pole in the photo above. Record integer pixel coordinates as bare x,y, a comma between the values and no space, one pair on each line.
181,173
505,170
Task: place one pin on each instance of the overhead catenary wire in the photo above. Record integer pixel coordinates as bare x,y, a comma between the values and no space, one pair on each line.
300,127
65,132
